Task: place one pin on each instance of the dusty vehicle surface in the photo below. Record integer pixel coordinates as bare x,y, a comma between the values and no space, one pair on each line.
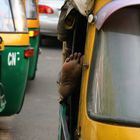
107,104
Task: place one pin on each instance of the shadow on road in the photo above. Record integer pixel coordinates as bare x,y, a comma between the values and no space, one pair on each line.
50,42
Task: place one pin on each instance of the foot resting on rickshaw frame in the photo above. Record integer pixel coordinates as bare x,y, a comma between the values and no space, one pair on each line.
70,74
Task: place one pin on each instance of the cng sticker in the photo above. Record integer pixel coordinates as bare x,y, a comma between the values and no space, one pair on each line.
13,58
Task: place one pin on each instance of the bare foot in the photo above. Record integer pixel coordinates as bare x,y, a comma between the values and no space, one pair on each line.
70,74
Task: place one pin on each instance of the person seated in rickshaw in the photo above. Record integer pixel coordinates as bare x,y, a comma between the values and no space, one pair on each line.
70,74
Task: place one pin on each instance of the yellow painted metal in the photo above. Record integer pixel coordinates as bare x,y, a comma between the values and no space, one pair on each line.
87,128
99,4
2,47
33,23
15,39
92,130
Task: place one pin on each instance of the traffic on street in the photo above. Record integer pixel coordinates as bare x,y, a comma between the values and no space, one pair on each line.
69,70
38,119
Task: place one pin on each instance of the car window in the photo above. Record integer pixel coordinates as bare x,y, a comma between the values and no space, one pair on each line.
31,9
114,85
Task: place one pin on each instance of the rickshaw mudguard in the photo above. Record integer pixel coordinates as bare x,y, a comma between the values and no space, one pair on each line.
111,8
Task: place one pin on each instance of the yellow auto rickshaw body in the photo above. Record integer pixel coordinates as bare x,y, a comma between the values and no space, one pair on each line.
108,108
98,129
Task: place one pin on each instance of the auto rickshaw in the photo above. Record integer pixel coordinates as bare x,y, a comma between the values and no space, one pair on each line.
31,7
14,56
109,97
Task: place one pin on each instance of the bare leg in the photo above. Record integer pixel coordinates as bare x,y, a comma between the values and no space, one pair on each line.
66,51
70,74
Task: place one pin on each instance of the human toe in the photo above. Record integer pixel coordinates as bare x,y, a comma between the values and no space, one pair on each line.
75,55
78,57
67,59
71,57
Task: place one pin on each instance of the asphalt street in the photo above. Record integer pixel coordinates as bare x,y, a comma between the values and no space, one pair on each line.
38,119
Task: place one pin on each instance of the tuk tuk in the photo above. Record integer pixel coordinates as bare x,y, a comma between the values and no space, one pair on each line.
31,7
14,56
107,104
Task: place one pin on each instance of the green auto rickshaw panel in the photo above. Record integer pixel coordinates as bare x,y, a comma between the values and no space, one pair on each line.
14,73
34,43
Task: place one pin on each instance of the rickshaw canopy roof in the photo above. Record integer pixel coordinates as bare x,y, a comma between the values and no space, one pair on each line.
84,6
112,7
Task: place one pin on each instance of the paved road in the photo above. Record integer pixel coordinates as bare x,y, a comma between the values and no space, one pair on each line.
38,119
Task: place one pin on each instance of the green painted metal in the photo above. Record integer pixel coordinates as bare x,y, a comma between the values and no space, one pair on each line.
13,76
2,97
63,133
34,43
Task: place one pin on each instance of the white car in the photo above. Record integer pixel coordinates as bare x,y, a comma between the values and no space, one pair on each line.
49,11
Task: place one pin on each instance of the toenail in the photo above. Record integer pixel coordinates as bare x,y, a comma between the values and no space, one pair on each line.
68,59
